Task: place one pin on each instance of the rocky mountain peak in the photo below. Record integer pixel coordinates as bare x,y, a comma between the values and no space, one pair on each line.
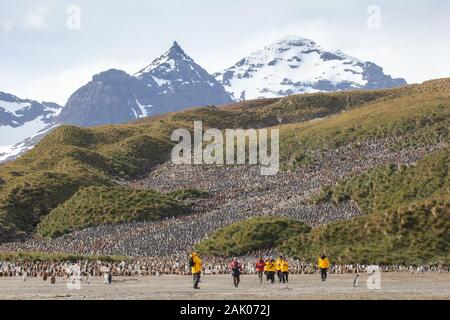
177,82
294,41
170,83
168,62
112,76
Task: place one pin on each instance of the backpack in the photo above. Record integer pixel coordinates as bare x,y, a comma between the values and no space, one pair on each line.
191,262
236,269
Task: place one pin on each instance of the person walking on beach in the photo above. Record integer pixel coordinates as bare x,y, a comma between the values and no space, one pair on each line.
107,276
266,263
196,267
278,268
285,270
260,266
236,270
270,267
323,265
355,281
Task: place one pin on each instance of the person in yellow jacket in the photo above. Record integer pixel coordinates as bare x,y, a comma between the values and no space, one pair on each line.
285,270
323,265
195,262
266,262
270,267
278,268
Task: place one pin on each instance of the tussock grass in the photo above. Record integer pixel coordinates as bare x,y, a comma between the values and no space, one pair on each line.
251,235
391,185
94,206
72,158
407,221
413,234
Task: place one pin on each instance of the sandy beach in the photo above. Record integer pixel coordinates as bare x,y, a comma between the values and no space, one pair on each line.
301,287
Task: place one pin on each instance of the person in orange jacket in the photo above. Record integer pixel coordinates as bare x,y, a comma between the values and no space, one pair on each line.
323,265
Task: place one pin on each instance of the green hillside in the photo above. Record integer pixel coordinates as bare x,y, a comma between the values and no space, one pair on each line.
407,221
417,233
71,158
105,205
408,217
251,235
390,186
415,116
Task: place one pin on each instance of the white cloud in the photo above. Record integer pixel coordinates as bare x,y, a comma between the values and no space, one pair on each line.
37,18
59,86
410,44
7,26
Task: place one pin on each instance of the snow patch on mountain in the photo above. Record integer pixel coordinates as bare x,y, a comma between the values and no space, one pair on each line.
21,119
143,111
295,65
176,82
13,107
13,151
11,135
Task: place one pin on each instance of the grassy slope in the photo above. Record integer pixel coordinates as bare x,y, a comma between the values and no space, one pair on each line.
408,217
104,205
71,158
390,185
416,233
251,235
420,117
407,221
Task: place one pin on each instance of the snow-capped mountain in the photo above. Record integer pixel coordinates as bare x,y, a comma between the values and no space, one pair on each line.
170,83
178,83
22,120
174,82
295,65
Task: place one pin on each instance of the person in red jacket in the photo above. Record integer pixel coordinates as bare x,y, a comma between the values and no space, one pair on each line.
260,269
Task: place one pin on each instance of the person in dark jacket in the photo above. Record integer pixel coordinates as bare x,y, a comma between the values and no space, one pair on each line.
236,270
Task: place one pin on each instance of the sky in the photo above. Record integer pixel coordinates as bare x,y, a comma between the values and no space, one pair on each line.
50,48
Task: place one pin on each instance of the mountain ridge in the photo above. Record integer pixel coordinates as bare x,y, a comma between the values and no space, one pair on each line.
174,82
22,120
170,83
294,65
